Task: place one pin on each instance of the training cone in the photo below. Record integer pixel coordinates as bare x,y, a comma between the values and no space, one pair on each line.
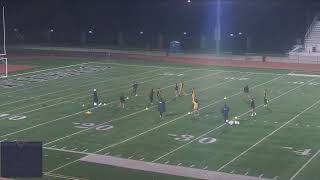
88,113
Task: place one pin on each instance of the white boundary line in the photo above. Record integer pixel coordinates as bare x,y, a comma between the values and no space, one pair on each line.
264,138
215,102
176,149
116,119
296,174
61,97
48,122
204,69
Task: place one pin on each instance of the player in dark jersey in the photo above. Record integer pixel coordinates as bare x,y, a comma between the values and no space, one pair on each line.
135,88
181,90
161,107
225,112
95,98
253,107
246,91
265,99
122,101
151,96
176,90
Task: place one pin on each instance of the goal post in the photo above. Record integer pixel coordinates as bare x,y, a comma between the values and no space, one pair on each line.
3,67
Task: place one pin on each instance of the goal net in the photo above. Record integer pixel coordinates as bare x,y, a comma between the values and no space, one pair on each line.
3,67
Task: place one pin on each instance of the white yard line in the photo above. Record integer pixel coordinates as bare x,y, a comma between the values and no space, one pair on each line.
63,102
270,134
180,117
80,112
63,176
204,69
296,174
222,125
129,115
42,102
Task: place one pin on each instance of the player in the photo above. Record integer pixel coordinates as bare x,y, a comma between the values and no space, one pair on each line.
135,88
265,99
161,107
225,111
253,107
193,94
195,103
151,96
95,98
159,94
181,90
176,90
246,90
122,103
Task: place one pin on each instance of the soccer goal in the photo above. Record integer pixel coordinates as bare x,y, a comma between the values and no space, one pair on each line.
3,67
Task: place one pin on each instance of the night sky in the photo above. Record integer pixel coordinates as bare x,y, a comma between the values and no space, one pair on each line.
266,21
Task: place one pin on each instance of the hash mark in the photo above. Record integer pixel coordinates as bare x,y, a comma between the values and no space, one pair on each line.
232,172
260,175
172,135
246,173
205,167
179,164
141,159
167,162
192,165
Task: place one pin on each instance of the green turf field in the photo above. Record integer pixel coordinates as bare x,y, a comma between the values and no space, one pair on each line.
282,142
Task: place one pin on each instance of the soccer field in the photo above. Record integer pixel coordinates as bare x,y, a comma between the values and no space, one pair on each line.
281,142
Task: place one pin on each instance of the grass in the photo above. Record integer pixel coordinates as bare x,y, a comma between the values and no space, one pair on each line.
270,145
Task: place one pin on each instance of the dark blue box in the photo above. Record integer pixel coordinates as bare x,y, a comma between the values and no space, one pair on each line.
21,159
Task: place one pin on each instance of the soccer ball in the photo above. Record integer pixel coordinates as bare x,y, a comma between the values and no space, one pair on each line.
225,98
189,112
147,108
236,117
128,97
104,104
83,105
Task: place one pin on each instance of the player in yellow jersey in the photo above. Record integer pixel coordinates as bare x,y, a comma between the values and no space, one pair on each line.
193,94
195,103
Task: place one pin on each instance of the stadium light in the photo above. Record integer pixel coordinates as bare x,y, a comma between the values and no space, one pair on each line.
90,32
240,33
15,29
184,33
231,35
51,30
141,32
188,1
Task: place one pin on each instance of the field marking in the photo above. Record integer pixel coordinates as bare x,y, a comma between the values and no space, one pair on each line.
70,115
52,105
304,165
264,138
222,125
210,104
72,94
59,81
63,176
62,166
120,64
122,117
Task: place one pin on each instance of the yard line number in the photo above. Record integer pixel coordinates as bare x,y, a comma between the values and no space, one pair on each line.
187,138
12,117
105,127
236,78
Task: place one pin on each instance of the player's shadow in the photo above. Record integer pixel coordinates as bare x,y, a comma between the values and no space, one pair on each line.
171,114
